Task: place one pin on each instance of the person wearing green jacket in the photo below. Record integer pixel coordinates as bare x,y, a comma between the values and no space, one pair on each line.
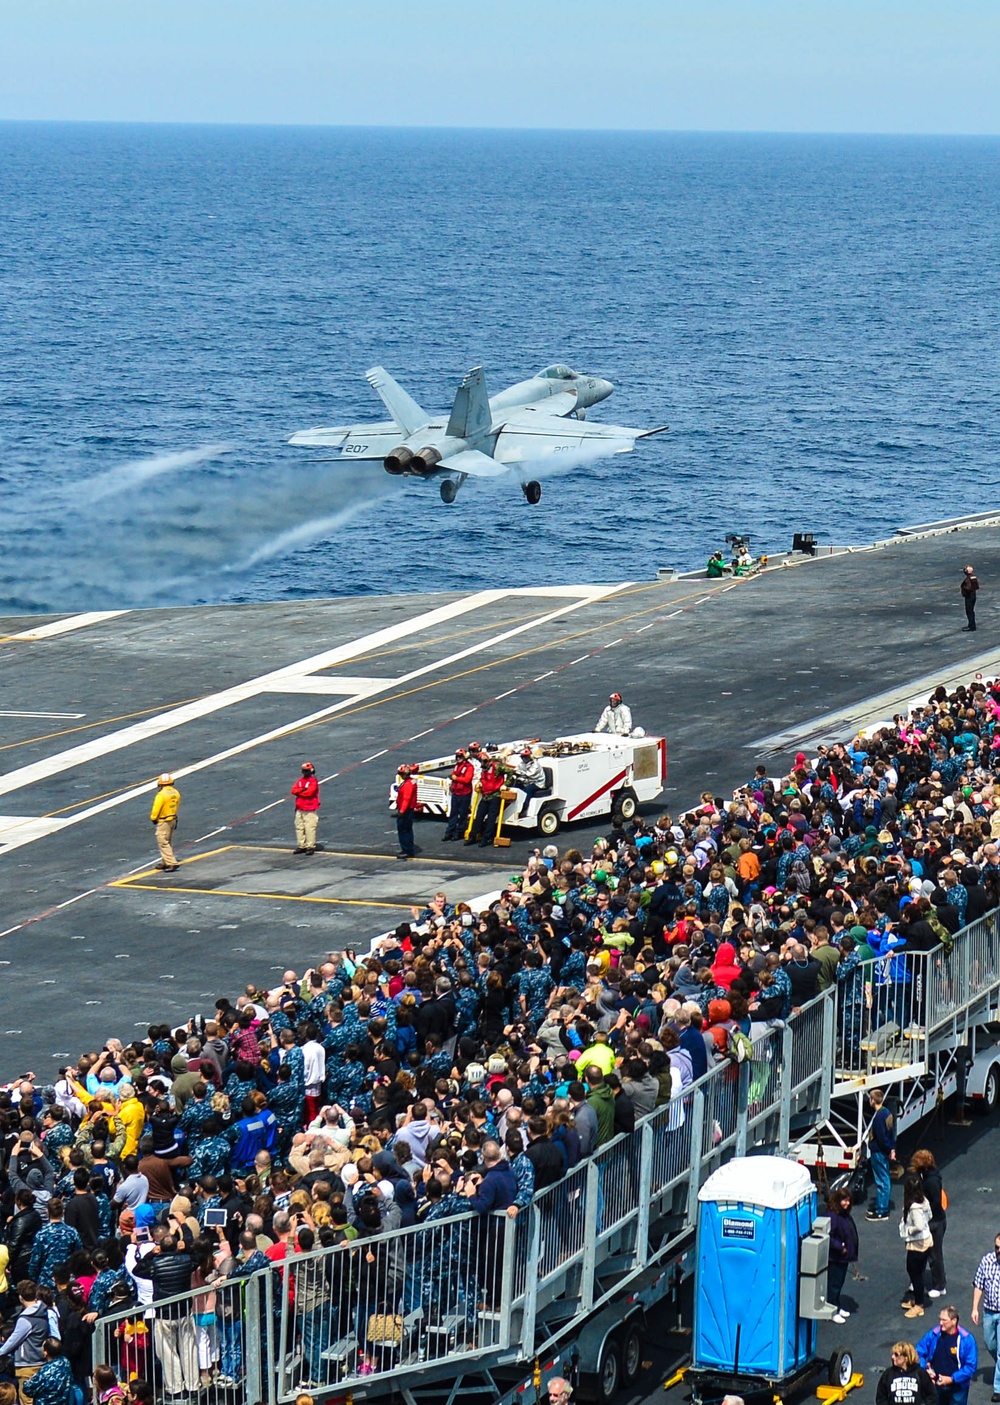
602,1100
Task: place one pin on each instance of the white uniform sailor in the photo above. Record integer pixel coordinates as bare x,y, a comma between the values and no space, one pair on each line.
616,718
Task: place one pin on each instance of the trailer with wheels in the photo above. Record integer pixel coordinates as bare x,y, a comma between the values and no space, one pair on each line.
922,1026
758,1229
587,775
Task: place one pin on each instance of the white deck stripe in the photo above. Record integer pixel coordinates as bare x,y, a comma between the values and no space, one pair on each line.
59,716
48,631
29,775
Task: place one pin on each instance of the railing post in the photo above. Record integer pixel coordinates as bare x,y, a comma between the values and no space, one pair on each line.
785,1111
588,1270
507,1279
697,1115
257,1387
829,1042
645,1190
742,1099
531,1279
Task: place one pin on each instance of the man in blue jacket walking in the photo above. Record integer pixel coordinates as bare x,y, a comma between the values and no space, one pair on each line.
950,1356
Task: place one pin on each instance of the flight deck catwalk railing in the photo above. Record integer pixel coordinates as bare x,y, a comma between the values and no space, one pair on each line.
394,1310
896,1012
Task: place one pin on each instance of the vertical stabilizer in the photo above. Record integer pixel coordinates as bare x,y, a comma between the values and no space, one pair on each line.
470,414
404,410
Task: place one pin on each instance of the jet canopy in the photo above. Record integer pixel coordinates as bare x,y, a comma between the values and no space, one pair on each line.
556,373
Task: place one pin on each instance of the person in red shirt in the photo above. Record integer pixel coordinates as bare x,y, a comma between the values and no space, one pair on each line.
407,805
491,782
462,778
306,792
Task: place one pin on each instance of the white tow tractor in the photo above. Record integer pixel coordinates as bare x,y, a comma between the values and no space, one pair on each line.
586,775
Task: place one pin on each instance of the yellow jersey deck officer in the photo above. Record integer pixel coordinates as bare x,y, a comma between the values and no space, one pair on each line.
166,803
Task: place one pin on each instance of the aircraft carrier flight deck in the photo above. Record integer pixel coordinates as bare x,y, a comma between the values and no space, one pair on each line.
232,699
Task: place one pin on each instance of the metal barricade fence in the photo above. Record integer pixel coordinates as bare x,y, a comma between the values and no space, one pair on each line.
224,1332
888,1009
452,1290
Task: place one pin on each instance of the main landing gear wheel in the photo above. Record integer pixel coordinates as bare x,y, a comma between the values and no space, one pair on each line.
532,491
449,489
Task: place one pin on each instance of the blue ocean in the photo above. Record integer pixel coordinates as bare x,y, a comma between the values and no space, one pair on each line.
815,317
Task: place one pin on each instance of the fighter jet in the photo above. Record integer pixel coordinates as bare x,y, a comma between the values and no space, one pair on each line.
535,420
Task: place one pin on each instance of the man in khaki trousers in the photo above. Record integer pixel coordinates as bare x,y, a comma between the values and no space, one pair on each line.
166,803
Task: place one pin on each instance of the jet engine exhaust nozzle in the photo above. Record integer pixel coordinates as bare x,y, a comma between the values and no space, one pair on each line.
425,461
398,461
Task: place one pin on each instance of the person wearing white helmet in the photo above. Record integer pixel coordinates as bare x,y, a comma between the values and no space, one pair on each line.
166,803
616,718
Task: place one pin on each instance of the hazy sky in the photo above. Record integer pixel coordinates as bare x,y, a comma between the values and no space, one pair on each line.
773,65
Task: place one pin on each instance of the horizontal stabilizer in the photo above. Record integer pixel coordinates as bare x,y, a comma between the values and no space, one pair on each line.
470,414
474,464
404,410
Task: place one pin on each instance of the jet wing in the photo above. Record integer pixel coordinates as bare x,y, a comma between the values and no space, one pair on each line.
472,463
563,403
538,436
339,435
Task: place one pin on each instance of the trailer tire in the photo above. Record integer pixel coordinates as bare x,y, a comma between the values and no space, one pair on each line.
549,820
841,1368
609,1372
631,1356
991,1093
624,806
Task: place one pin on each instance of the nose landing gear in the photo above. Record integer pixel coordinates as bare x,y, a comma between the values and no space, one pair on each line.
532,491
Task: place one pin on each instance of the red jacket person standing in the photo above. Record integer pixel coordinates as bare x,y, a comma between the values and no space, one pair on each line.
407,805
491,782
306,792
462,778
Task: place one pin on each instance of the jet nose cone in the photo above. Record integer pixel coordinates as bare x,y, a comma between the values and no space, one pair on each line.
602,389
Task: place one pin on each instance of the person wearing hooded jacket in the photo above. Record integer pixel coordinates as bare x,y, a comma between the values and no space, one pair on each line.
725,967
602,1100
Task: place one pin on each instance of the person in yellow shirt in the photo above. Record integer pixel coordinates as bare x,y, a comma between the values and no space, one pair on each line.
166,803
599,1053
132,1115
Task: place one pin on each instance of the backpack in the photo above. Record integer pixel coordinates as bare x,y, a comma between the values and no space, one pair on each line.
941,932
740,1046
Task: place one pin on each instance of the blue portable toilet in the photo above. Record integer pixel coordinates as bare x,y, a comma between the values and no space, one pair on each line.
753,1215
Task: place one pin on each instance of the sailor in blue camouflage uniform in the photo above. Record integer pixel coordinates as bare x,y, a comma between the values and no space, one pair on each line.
102,1287
437,1060
198,1111
534,986
574,968
52,1384
287,1102
54,1244
345,1079
56,1134
239,1085
212,1154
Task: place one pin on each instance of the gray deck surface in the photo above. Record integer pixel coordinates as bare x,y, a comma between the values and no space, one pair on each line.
96,944
731,675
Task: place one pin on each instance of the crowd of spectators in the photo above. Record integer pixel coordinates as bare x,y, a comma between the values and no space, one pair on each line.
476,1055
